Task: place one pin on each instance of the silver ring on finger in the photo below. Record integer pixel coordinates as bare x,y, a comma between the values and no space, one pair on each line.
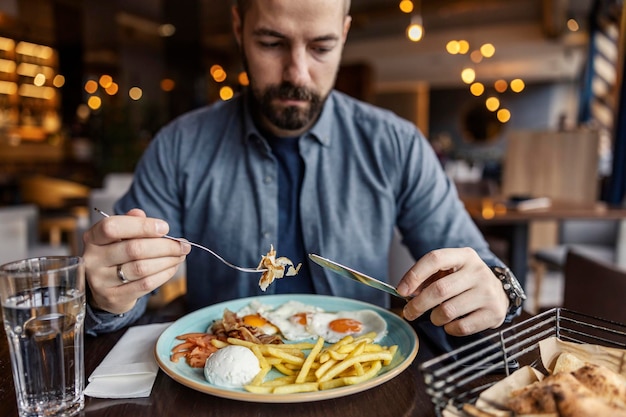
120,275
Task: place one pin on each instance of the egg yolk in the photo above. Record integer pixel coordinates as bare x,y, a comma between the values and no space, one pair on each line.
345,326
254,320
299,318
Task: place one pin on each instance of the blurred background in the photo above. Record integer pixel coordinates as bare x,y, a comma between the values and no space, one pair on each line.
85,85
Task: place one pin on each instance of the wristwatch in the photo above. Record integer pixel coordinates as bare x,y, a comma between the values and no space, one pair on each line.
512,288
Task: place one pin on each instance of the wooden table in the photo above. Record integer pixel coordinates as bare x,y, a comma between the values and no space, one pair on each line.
404,395
492,216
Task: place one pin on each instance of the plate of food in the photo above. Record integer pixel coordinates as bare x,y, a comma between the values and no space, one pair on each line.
286,348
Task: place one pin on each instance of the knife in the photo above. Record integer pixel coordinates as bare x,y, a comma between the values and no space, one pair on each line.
355,275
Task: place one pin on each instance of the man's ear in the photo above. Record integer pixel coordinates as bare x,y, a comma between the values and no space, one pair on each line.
237,22
346,27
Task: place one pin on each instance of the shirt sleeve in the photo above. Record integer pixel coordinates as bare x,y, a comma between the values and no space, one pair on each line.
430,212
99,321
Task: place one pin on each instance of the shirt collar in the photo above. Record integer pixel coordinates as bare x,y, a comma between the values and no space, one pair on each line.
321,131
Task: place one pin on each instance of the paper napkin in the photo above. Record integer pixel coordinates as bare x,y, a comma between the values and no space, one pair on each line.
129,370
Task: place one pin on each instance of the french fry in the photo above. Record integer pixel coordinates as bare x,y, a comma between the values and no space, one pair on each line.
345,364
285,356
393,349
281,380
351,380
294,388
325,367
258,389
306,366
280,367
262,361
258,379
296,346
218,343
235,341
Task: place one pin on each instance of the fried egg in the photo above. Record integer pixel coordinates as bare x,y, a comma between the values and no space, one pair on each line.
334,326
252,315
293,318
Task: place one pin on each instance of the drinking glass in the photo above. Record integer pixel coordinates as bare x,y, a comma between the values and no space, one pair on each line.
43,306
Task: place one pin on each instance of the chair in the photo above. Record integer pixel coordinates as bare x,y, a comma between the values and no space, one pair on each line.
61,206
594,287
596,239
13,244
19,234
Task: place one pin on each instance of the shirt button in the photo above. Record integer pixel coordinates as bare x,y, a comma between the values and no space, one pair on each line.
266,235
268,179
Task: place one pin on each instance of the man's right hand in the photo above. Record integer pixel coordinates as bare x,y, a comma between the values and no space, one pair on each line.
133,243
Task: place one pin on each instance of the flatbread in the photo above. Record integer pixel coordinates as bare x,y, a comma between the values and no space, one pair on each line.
603,382
588,390
577,404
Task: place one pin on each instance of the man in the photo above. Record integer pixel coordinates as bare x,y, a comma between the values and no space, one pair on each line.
292,163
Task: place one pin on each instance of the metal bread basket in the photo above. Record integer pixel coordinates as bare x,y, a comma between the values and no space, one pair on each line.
460,376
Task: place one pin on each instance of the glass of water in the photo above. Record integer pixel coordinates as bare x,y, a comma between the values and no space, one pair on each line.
43,306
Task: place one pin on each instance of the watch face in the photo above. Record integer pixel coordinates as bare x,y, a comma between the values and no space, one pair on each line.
507,277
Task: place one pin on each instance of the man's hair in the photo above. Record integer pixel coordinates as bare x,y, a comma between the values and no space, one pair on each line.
244,5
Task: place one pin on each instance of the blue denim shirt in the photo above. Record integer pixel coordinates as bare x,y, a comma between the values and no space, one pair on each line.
212,176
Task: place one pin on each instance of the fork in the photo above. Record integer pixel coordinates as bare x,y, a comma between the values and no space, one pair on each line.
238,268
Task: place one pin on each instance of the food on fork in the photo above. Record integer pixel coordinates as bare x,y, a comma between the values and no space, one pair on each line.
275,268
232,366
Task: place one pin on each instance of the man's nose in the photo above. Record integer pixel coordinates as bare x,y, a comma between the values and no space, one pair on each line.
297,67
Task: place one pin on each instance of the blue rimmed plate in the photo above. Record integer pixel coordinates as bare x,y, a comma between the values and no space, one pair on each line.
399,332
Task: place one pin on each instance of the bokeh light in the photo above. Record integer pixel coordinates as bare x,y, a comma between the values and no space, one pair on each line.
503,115
94,102
226,93
243,78
406,6
112,89
463,46
500,86
135,93
105,81
91,86
468,75
58,81
167,84
453,47
488,50
415,32
477,89
517,85
492,103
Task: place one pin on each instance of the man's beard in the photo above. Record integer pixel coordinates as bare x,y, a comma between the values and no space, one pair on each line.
290,117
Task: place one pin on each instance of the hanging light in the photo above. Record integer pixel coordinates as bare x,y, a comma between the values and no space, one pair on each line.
415,31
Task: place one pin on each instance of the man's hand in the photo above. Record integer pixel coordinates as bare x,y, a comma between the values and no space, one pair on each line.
134,244
463,293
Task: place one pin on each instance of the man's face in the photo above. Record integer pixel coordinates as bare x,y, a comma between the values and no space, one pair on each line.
291,50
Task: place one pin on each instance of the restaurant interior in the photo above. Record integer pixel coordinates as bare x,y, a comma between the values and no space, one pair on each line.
521,99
